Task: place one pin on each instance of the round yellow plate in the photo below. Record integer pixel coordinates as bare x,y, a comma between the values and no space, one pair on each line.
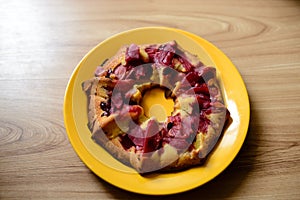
111,170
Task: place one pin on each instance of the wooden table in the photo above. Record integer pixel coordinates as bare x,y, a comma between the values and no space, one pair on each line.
41,42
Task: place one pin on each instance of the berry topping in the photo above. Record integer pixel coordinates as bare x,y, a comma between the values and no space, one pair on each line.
151,50
132,54
165,54
126,141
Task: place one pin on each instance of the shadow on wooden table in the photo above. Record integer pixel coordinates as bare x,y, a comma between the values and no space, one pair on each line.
225,184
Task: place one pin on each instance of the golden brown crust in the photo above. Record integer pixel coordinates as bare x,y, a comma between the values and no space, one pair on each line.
113,146
185,160
106,132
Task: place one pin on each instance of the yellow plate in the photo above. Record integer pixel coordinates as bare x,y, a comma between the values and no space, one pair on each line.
111,170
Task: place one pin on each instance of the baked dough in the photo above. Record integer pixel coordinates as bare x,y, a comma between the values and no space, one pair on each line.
117,121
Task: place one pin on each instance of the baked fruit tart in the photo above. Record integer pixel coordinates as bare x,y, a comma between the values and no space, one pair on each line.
120,119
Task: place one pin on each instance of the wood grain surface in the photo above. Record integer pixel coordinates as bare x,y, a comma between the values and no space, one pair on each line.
41,42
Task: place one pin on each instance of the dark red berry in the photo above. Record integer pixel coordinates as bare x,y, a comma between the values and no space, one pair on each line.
108,73
170,125
103,106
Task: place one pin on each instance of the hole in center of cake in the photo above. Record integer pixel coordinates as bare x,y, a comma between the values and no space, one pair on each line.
156,105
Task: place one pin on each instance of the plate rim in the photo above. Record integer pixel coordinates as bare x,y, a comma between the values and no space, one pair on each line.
84,154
